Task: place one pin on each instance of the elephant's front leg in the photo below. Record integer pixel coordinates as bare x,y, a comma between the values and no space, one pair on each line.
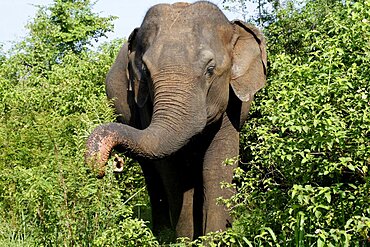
158,199
225,145
179,192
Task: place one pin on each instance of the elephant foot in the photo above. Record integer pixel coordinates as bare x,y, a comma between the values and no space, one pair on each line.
166,236
118,163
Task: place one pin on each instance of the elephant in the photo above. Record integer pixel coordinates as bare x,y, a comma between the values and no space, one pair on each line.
182,86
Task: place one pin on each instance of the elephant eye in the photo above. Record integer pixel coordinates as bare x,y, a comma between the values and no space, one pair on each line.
145,73
210,70
144,68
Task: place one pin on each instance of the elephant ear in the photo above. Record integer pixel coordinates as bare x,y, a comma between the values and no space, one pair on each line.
137,83
119,85
249,61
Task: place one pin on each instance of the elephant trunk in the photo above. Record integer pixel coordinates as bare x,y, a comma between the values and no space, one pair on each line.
176,118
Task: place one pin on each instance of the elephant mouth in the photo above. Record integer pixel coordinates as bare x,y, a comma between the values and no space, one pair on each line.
118,164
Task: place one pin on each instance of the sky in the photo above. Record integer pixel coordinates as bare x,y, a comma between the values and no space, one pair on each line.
14,15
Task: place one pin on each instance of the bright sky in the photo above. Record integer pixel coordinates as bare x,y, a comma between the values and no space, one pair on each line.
14,14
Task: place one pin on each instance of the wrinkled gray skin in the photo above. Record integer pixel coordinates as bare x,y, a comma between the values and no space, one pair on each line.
183,85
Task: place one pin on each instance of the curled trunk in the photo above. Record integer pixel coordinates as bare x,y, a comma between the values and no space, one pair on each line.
174,122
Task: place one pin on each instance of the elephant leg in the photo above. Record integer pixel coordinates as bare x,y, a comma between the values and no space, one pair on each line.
224,145
170,178
178,178
159,203
184,227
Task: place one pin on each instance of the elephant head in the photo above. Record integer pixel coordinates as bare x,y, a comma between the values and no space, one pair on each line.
180,64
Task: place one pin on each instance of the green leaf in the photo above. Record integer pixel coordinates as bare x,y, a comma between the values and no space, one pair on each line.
247,242
270,231
328,196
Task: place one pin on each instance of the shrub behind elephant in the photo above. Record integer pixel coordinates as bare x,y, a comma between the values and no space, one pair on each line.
183,85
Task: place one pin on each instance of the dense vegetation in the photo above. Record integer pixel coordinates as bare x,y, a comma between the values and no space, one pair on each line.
304,173
52,95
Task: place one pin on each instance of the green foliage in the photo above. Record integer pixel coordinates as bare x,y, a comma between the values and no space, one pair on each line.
46,191
51,96
65,26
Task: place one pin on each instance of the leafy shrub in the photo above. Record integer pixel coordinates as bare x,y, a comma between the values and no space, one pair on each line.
51,97
46,191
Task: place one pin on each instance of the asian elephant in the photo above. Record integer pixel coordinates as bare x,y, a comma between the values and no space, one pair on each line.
182,85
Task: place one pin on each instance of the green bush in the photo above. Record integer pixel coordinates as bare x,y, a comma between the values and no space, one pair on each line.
51,97
46,192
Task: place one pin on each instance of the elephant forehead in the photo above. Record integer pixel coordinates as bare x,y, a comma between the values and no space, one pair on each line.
160,54
183,17
178,33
